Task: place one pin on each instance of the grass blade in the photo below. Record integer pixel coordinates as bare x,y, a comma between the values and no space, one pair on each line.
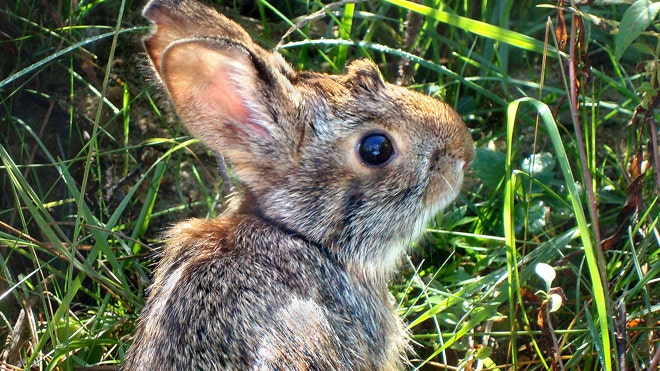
600,300
478,28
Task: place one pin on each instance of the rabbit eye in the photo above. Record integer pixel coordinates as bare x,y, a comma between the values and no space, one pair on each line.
375,149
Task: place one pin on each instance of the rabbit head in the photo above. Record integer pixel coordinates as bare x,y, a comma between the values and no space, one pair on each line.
348,162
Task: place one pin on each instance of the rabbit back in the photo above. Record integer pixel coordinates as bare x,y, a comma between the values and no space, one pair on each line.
235,293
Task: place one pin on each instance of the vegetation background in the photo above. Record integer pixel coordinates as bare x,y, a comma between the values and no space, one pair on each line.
550,259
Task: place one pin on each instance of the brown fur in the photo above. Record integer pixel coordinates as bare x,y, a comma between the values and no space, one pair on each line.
295,277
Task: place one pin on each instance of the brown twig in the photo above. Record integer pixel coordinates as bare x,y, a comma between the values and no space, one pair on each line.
653,129
573,98
654,362
25,320
655,150
413,24
224,173
621,336
314,16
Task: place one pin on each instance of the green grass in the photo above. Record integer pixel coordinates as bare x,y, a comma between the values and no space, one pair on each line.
94,166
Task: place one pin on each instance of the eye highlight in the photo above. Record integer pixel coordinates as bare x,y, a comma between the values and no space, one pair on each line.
375,149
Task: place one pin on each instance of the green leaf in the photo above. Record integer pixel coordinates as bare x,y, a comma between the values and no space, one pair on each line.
484,352
488,166
540,167
635,20
643,48
547,274
534,213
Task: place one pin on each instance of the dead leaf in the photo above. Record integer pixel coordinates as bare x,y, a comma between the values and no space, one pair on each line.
560,30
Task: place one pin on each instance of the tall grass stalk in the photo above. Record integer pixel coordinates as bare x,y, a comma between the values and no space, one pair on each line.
603,342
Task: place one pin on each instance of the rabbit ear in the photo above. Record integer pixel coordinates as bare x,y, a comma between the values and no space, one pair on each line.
364,75
217,78
180,19
215,88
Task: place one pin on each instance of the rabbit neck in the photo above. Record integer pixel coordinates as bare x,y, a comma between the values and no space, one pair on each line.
374,272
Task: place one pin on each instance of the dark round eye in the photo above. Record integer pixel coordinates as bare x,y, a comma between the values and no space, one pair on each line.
375,149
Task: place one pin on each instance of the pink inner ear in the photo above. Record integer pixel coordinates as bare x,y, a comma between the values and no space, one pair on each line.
223,95
217,82
220,95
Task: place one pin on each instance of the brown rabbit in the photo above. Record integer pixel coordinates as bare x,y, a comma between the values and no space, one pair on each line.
337,174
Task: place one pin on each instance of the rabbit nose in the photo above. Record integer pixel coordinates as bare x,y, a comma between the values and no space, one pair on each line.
470,154
468,151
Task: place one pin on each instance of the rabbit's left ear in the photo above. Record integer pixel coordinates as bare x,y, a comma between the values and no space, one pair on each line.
184,19
230,93
216,89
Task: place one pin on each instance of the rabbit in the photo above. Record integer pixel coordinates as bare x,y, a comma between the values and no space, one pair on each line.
336,175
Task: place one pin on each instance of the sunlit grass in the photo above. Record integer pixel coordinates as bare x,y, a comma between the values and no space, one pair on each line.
94,167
